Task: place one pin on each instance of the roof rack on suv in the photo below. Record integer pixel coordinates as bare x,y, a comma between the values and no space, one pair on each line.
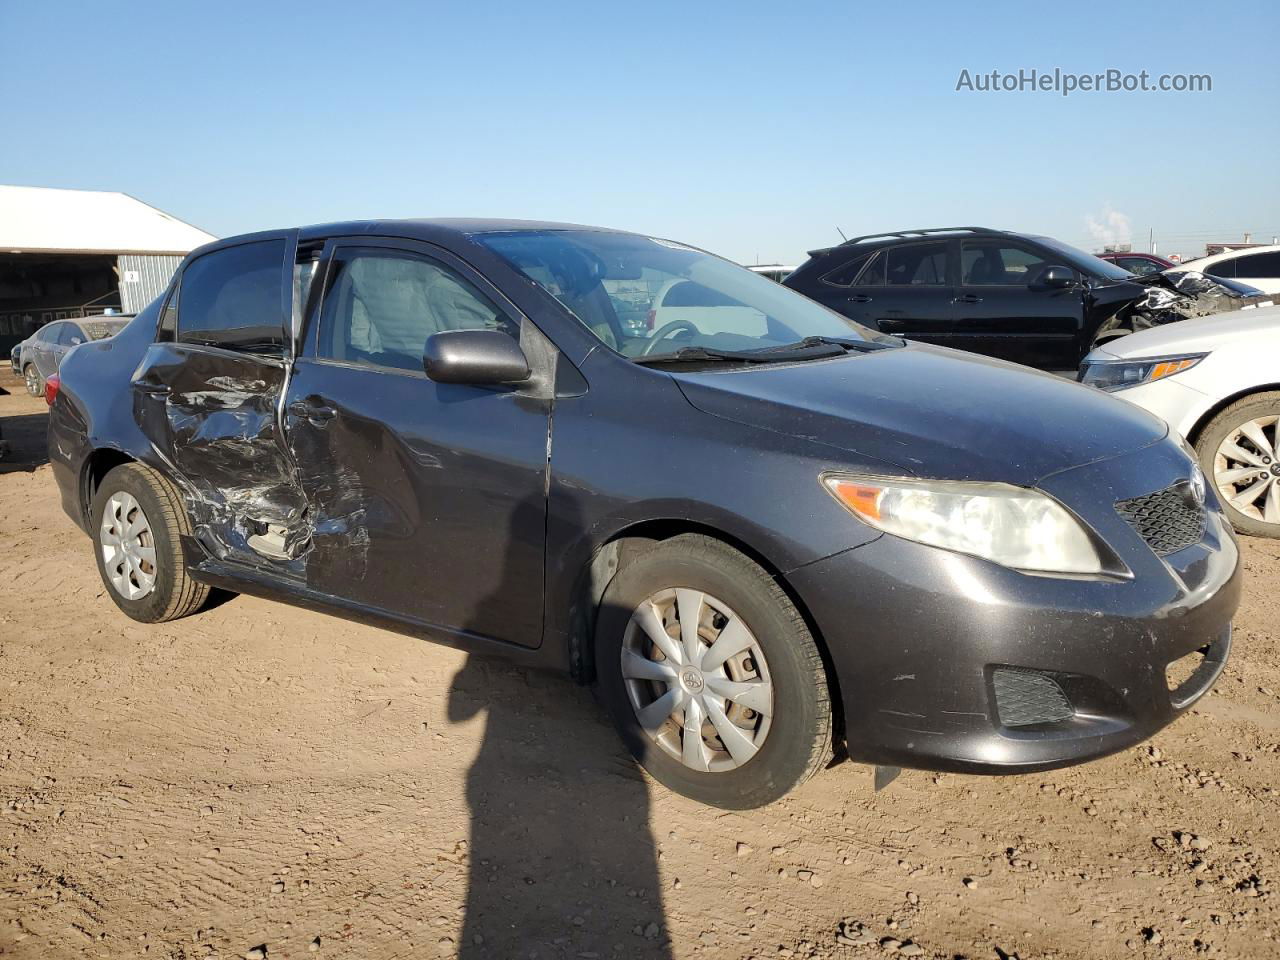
919,233
904,234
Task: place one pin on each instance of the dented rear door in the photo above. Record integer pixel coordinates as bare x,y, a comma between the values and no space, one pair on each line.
208,396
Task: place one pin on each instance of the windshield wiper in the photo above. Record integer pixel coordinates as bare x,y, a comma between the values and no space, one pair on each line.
709,354
863,346
810,348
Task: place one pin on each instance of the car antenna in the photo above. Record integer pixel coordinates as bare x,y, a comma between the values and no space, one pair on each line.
842,236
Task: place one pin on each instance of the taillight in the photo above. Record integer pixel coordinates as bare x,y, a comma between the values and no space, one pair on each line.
650,318
51,386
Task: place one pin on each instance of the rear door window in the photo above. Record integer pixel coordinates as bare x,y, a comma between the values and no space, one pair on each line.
916,264
382,305
70,335
233,297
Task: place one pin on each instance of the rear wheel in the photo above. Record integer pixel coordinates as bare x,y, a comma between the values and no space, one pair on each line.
711,675
1239,451
139,520
35,382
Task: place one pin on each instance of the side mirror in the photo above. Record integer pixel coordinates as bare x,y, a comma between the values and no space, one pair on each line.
474,356
1056,278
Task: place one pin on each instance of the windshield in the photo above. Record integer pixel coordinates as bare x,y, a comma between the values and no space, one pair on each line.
647,297
1086,263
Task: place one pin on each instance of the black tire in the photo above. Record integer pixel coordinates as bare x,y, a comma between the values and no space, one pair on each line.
175,594
799,740
35,382
1218,429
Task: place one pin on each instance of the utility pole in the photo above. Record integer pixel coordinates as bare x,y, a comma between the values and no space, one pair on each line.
1151,239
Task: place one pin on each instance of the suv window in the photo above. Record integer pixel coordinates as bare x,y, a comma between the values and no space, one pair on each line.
232,297
846,274
985,262
1258,265
917,264
382,305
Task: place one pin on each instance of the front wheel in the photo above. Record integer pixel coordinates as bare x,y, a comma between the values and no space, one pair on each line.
711,675
139,520
1239,451
35,382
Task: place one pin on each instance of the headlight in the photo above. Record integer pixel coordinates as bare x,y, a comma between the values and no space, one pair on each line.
1013,526
1118,374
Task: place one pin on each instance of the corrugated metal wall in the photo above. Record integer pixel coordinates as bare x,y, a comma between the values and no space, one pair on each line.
143,278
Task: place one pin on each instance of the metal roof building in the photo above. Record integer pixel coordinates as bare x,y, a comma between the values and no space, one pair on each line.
75,253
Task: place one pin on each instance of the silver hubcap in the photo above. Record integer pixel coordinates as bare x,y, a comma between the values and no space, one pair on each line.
128,548
33,381
697,680
1246,472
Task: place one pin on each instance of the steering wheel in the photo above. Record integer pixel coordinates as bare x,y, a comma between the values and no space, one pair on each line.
665,331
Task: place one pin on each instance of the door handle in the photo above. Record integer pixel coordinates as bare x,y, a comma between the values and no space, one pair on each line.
317,413
152,389
859,298
967,298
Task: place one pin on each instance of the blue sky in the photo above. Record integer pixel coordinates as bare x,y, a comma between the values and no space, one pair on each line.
751,129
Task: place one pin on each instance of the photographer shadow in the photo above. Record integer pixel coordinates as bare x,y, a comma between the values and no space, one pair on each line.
561,859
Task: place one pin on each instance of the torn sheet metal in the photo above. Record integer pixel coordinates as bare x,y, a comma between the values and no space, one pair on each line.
214,416
1183,295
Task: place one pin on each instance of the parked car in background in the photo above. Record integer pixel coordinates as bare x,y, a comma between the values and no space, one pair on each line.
1257,266
1140,264
776,272
39,356
440,426
15,358
1216,381
1020,297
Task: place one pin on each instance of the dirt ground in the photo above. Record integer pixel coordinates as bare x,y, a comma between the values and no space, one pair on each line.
259,780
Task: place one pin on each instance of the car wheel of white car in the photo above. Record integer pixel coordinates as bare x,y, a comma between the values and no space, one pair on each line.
711,674
1239,451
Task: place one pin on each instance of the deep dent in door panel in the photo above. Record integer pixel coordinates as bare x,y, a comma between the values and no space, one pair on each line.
224,443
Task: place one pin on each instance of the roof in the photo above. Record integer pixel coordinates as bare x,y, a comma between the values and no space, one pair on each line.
872,240
452,226
48,220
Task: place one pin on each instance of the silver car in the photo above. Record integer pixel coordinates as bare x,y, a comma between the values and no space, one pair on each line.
40,355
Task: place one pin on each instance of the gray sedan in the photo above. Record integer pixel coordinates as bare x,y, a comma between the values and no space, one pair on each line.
40,355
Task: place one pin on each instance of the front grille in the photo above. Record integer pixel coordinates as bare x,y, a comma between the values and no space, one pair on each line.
1169,520
1024,697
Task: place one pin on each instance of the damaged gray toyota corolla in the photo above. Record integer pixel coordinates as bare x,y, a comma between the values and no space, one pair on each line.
765,533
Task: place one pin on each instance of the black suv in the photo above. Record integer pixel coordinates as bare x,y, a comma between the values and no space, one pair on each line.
1014,296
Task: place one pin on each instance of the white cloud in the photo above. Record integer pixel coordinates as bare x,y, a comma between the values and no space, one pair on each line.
1110,228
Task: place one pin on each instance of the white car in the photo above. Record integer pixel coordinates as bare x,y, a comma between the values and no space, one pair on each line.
1216,380
1257,266
777,272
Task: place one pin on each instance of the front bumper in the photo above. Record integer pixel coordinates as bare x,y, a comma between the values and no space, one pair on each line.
927,644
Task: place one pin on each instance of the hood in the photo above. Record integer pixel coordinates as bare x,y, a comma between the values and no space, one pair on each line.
1261,325
932,412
